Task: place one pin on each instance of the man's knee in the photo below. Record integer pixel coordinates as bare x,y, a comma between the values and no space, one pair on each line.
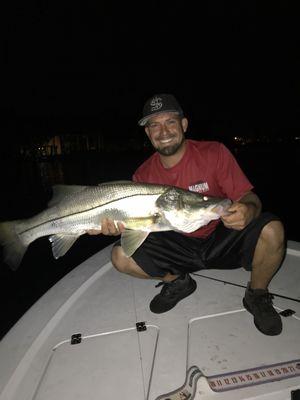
125,264
273,234
119,260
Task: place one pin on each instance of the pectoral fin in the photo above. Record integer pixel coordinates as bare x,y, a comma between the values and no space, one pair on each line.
61,244
131,240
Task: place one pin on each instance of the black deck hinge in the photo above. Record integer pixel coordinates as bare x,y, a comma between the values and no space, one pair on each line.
141,326
287,313
76,338
295,394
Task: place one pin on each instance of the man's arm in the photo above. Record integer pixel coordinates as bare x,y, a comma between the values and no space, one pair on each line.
243,211
252,200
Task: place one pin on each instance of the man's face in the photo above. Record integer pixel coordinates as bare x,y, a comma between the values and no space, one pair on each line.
166,132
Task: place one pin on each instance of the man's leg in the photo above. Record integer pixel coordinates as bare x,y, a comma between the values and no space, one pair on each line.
127,265
268,256
175,287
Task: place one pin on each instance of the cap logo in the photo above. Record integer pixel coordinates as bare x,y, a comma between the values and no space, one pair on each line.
156,103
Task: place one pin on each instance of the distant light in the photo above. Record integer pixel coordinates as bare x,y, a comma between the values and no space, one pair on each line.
239,139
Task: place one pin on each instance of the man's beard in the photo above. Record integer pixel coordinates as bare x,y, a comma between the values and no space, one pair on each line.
170,150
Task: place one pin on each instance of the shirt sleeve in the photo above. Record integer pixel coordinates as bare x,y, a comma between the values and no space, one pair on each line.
230,176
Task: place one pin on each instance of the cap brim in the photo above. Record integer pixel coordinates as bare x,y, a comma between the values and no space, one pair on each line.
144,120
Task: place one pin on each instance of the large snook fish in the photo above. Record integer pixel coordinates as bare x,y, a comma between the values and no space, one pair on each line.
141,207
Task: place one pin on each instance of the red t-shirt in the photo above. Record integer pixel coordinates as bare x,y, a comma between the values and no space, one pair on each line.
206,167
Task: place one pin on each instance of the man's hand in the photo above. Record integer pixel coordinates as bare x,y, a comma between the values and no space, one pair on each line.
239,217
242,212
108,228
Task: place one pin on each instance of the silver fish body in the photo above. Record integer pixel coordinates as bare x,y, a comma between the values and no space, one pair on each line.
142,208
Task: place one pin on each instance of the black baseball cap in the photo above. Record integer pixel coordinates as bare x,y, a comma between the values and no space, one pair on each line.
160,103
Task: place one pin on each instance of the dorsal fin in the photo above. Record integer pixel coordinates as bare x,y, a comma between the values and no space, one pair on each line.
61,191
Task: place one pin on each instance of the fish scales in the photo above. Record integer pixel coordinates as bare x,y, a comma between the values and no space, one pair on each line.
89,199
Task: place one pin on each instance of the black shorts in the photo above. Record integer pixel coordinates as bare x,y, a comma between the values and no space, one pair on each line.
173,252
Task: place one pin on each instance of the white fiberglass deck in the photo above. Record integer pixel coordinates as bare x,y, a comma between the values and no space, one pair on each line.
207,347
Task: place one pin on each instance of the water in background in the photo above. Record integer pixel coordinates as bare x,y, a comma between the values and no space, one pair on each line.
27,188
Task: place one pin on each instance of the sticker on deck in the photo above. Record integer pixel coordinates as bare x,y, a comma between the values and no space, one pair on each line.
254,376
234,380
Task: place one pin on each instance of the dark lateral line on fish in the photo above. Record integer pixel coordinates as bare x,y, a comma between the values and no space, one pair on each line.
89,209
242,286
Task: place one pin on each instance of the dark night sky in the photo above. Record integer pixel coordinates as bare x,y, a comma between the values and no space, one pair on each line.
95,63
233,65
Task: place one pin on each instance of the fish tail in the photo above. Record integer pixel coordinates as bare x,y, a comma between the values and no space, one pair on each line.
13,247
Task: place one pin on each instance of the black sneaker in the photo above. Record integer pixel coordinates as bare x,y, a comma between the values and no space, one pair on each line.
172,293
259,303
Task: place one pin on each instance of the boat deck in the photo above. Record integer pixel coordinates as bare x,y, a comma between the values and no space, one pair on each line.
92,336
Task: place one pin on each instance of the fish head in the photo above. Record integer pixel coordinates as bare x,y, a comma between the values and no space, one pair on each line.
199,204
188,211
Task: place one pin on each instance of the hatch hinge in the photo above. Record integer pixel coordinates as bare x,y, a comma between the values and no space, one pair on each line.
287,313
76,338
141,326
295,394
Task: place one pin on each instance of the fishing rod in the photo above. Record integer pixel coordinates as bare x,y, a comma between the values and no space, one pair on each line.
242,286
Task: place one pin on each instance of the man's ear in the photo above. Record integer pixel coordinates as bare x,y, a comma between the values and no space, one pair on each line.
147,131
185,124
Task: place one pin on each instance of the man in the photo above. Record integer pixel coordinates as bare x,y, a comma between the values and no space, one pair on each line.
245,238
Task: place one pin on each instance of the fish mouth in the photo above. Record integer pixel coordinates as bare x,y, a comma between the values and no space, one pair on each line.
222,207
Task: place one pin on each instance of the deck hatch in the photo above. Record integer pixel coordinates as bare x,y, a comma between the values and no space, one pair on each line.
233,354
98,368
